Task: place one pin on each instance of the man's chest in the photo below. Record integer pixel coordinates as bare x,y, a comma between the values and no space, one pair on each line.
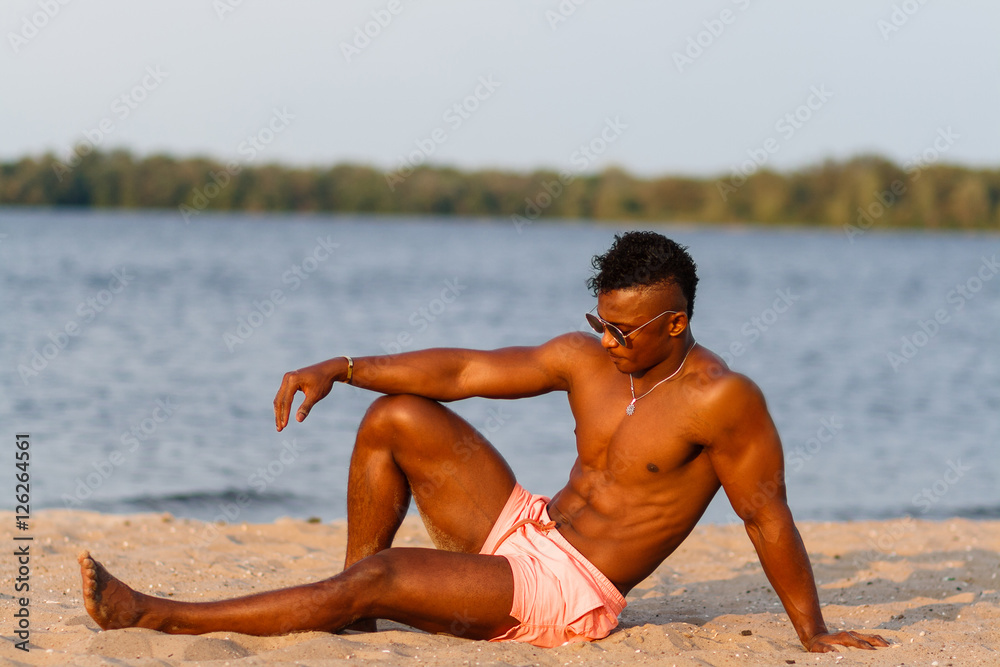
658,438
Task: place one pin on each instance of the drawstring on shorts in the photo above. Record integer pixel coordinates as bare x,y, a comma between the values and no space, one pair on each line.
544,527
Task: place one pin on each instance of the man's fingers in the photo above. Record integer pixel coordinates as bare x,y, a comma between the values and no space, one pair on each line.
845,638
825,643
870,641
304,409
283,402
856,640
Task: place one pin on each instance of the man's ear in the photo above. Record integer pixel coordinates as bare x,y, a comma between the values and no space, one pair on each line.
678,323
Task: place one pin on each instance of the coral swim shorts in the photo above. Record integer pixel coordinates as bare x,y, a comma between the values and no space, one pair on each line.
559,596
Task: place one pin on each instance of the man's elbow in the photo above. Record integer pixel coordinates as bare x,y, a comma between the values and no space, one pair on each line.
767,523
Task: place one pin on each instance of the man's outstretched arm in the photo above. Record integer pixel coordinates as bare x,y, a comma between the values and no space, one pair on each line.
748,459
441,374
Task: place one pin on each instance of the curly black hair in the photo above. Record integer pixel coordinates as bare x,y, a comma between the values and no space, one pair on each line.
637,259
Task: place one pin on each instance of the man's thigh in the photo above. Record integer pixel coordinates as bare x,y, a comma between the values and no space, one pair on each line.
459,481
466,595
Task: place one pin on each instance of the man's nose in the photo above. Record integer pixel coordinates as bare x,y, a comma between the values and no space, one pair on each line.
608,341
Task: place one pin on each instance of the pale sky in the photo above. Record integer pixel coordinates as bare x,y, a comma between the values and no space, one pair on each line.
201,76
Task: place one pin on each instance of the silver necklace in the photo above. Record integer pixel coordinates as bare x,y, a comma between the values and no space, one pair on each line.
631,406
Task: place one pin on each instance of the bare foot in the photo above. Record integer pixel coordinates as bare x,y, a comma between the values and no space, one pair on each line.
108,601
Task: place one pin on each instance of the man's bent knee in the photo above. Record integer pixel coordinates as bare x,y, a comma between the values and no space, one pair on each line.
397,413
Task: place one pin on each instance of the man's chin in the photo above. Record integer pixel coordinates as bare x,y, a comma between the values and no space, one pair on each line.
621,363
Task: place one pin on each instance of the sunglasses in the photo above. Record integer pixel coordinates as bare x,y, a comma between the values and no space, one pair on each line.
600,325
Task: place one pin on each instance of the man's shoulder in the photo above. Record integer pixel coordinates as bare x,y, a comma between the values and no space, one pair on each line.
575,345
730,408
715,385
568,353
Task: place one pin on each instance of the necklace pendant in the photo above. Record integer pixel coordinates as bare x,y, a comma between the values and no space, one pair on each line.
630,409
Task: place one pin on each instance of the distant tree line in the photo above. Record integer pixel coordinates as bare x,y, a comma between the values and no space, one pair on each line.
864,193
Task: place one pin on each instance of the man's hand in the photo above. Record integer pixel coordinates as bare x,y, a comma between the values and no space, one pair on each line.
314,381
826,641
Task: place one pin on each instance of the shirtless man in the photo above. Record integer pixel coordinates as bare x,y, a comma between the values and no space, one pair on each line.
661,425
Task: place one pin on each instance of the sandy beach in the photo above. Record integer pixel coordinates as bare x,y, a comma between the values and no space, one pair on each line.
930,588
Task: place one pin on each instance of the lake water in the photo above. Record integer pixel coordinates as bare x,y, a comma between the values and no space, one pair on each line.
161,398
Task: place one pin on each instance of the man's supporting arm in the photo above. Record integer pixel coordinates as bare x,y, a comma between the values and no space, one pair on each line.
748,459
440,374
